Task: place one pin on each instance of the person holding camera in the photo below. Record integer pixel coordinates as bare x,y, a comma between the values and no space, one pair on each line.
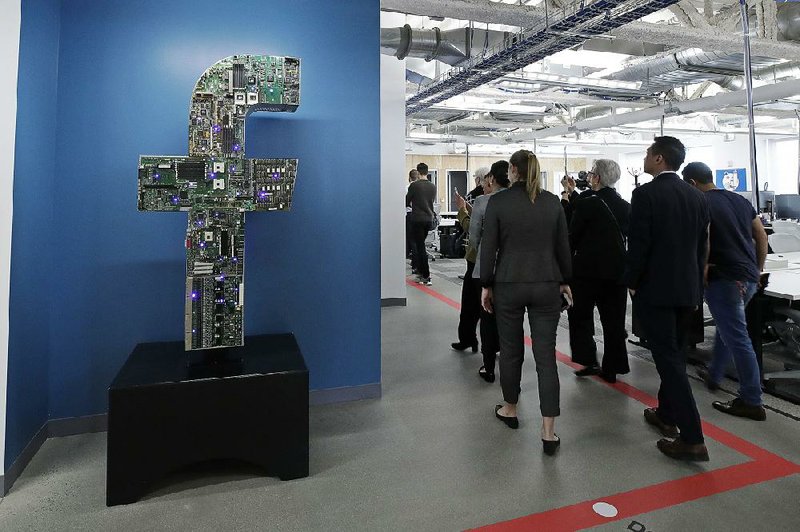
570,195
524,262
598,233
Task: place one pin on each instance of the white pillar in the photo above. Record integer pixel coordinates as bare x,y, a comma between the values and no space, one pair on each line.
9,63
394,178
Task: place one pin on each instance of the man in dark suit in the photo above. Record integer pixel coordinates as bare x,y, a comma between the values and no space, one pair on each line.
667,251
597,236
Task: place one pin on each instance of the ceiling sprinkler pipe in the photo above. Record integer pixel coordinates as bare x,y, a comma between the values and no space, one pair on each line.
748,77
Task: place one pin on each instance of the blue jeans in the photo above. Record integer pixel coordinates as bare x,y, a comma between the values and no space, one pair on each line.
726,301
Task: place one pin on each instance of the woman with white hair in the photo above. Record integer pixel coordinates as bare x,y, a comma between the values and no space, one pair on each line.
598,235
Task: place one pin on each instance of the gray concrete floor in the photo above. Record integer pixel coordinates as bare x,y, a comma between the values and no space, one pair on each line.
429,455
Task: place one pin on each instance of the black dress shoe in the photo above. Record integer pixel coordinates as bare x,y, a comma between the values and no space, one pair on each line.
486,375
651,416
461,346
739,408
680,450
588,371
511,422
551,446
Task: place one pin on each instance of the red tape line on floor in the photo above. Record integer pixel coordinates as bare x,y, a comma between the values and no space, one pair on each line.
764,466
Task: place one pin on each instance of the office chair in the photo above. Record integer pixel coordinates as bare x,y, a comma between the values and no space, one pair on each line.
788,333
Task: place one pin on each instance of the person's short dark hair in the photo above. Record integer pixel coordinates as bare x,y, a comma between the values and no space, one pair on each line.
670,149
499,172
422,168
699,172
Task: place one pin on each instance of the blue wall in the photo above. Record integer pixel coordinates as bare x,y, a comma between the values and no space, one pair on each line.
32,231
126,72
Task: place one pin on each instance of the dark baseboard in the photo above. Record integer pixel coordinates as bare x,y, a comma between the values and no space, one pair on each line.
393,302
70,426
348,393
27,454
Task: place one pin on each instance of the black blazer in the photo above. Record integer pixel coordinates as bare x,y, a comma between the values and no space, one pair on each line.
667,242
597,235
523,241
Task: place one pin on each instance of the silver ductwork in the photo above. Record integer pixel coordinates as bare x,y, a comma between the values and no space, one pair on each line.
448,46
789,22
695,65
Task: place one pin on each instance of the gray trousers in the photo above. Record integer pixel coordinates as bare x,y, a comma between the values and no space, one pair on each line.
543,303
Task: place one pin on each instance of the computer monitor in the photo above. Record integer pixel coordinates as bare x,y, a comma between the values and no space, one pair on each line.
765,198
787,206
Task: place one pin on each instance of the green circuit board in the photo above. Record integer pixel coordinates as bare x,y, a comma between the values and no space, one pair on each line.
217,184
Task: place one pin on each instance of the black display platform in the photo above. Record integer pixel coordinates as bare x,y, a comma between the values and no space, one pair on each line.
169,408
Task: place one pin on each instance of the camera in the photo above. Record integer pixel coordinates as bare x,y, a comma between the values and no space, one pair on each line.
581,183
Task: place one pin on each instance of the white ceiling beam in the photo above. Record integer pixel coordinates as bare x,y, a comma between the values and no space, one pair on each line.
550,98
719,102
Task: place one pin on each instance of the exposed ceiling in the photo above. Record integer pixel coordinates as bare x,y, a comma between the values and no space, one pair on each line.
504,72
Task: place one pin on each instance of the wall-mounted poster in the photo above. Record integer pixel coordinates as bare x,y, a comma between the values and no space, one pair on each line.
733,179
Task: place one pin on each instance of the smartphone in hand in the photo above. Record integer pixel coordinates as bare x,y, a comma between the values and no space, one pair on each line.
566,301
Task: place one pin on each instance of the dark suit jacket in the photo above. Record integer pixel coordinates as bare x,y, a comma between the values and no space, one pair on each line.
667,242
524,241
597,235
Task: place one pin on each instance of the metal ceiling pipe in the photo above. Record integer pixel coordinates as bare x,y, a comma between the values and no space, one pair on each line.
449,46
766,93
588,113
789,21
775,73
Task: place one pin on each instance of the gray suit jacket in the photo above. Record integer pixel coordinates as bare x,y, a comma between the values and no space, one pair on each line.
524,241
476,227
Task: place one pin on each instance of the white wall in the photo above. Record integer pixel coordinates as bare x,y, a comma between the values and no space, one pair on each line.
781,172
710,149
393,177
9,58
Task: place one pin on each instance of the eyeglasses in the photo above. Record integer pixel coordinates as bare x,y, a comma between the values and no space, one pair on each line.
590,174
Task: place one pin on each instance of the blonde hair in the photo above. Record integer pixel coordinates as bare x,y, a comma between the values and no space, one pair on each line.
528,166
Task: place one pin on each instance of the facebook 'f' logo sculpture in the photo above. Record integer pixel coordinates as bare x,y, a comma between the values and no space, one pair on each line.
217,184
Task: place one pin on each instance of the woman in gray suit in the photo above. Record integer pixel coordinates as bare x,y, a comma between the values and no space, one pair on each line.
525,260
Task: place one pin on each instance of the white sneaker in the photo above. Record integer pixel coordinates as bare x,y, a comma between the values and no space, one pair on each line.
424,280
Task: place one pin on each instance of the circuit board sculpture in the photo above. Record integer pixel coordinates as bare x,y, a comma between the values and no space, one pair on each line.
217,184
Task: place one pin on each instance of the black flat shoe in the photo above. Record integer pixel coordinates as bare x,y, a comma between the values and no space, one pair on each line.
461,346
588,371
511,422
551,446
485,375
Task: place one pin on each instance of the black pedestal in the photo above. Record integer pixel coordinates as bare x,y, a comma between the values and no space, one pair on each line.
169,408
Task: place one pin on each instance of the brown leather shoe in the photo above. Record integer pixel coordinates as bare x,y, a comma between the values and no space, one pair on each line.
737,407
651,416
680,450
